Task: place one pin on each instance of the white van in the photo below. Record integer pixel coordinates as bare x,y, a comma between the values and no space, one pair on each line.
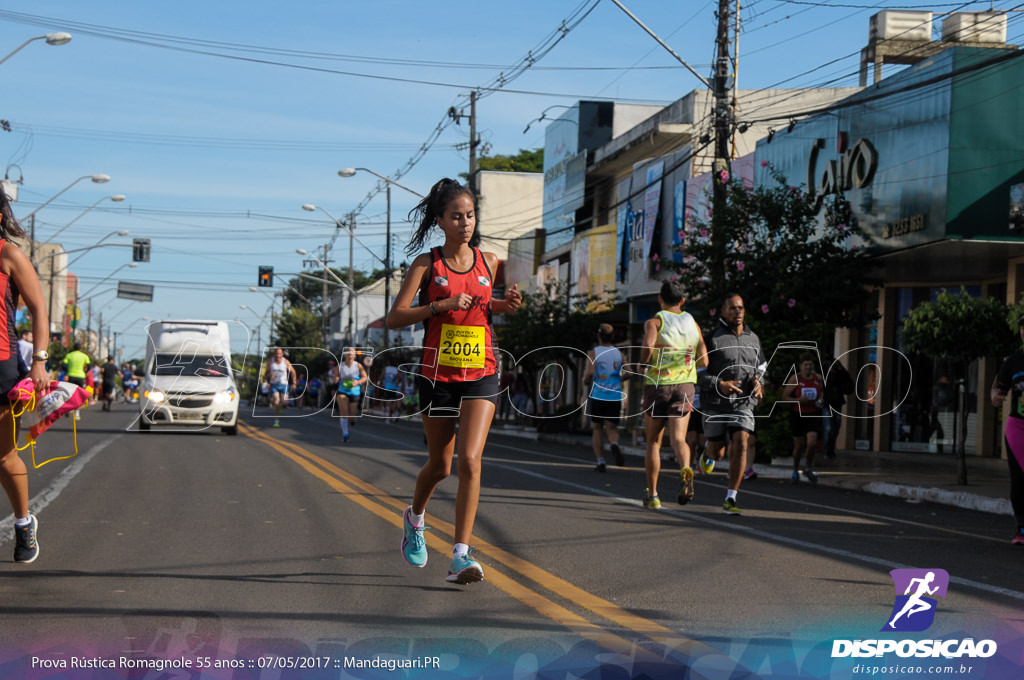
187,377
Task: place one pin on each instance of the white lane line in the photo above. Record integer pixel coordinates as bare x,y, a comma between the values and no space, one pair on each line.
732,526
50,492
761,534
885,519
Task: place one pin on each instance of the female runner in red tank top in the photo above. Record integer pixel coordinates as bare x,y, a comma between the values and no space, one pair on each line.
18,279
451,289
806,418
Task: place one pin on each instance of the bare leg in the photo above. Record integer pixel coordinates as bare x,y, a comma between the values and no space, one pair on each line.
812,443
677,439
611,430
13,473
737,458
474,419
653,429
798,453
440,434
596,441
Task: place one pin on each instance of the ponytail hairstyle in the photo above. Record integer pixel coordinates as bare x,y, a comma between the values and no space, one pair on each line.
427,211
9,227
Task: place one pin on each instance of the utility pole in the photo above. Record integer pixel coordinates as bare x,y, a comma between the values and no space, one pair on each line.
387,266
326,321
735,77
723,129
351,276
723,66
473,141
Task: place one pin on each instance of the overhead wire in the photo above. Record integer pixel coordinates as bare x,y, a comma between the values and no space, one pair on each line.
500,82
800,112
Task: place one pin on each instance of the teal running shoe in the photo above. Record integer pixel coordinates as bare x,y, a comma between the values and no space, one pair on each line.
414,547
465,569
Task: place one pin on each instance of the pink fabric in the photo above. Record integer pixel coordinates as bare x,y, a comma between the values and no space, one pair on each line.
50,406
1015,438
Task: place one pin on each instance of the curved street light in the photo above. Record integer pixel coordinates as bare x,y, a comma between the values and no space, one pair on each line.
119,232
96,179
130,265
352,238
263,319
59,38
544,116
349,172
54,272
122,332
116,198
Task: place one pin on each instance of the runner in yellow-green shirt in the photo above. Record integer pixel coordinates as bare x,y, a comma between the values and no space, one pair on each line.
672,348
77,361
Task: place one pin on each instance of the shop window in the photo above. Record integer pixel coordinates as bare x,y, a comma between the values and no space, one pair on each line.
926,420
864,370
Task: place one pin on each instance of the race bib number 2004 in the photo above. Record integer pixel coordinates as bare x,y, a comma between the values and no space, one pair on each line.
462,346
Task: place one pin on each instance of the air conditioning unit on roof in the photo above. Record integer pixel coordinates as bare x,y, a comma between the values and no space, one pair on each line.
894,24
975,27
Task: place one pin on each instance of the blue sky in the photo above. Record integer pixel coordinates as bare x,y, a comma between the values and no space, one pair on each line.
217,154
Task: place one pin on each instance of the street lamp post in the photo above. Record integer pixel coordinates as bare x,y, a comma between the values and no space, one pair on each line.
50,38
122,332
54,272
259,327
119,232
110,324
116,198
88,319
96,179
325,282
349,172
130,265
350,228
254,289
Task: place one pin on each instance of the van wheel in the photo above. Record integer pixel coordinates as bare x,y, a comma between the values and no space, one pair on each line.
230,431
143,425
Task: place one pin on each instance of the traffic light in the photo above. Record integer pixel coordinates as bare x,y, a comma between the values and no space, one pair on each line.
140,250
266,277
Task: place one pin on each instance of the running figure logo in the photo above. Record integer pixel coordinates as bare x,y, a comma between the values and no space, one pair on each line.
914,609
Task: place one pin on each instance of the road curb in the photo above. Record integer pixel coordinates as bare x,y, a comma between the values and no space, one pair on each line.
961,499
911,492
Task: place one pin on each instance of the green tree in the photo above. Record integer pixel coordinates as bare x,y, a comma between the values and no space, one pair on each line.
527,160
795,262
545,325
298,331
936,329
305,292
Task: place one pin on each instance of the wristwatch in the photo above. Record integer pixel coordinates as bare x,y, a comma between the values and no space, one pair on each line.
41,355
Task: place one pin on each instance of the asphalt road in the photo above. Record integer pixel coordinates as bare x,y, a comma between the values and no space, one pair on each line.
284,543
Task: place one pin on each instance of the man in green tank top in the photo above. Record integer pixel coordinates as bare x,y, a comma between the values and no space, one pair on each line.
672,349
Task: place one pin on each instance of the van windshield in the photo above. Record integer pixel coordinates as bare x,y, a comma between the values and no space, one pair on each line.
202,365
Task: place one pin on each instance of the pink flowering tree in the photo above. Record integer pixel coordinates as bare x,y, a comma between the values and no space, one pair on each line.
801,268
795,263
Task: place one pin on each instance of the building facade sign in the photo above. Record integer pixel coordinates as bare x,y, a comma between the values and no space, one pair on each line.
854,169
565,169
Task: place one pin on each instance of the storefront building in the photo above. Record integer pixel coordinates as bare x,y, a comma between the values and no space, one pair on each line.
932,166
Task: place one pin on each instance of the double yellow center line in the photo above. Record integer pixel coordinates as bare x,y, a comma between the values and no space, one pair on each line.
390,509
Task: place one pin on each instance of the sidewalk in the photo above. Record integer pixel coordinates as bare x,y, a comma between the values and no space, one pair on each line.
915,476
